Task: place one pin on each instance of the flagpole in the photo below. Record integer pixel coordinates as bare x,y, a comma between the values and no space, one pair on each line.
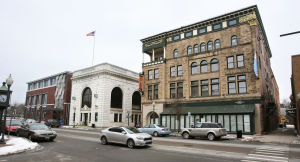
94,48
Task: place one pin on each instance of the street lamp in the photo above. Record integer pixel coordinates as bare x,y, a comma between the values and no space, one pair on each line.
4,103
152,116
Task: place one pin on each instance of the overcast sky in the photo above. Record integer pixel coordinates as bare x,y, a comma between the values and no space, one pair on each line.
39,38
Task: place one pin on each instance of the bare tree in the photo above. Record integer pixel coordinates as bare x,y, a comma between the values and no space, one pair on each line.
16,110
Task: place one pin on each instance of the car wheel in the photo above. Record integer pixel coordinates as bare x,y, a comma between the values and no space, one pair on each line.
130,143
103,141
211,136
155,134
186,135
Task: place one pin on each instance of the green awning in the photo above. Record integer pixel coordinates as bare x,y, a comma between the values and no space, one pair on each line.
210,109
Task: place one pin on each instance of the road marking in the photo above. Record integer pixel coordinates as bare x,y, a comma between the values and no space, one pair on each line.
267,156
267,159
249,160
269,153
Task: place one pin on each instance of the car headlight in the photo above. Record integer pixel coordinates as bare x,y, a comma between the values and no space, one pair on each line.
139,138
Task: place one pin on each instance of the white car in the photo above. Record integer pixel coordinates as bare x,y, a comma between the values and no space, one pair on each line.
129,136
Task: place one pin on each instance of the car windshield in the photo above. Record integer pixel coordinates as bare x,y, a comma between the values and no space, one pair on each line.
132,130
38,127
13,123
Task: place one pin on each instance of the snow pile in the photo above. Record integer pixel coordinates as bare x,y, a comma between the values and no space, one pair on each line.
290,126
16,145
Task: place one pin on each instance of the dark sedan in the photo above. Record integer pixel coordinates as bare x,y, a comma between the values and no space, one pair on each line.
52,123
36,132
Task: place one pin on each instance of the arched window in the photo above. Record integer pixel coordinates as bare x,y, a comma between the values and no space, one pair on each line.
116,98
217,44
203,66
234,41
202,47
194,68
196,48
175,53
136,101
86,97
189,50
214,65
209,45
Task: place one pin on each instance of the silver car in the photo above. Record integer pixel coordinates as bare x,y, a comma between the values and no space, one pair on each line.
129,136
155,130
210,130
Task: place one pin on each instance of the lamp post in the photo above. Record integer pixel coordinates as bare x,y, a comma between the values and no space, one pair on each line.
152,116
74,108
4,103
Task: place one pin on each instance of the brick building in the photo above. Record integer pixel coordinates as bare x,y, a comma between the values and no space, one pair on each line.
295,79
215,70
49,98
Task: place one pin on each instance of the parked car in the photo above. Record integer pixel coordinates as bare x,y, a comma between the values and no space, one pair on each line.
155,130
52,123
12,125
129,136
210,130
30,121
36,131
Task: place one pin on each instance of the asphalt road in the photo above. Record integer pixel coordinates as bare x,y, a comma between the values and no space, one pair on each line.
75,145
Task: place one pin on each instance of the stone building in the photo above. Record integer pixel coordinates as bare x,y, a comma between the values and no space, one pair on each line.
49,98
215,70
105,95
295,79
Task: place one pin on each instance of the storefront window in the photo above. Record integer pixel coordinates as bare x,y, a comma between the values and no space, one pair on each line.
202,118
168,121
226,122
186,121
240,122
181,121
247,123
172,122
233,123
213,118
208,118
164,120
220,119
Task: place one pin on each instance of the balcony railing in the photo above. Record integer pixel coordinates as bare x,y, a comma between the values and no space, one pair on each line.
154,62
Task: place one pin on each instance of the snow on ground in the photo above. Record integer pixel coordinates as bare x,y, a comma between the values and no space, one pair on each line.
18,144
290,126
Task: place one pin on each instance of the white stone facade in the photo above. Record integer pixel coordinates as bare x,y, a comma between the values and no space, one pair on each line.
102,79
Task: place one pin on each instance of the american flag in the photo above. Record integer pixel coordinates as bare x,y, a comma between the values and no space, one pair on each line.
91,33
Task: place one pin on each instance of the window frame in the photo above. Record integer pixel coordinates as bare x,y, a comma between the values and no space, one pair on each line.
208,45
189,50
150,96
176,37
173,71
239,62
217,42
156,75
196,87
241,81
203,45
204,85
155,95
172,88
231,82
150,74
213,26
230,62
212,83
179,70
203,64
234,37
228,22
194,65
175,52
212,63
188,36
179,87
196,50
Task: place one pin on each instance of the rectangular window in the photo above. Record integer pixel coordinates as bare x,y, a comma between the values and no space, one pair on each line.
247,123
172,90
115,117
179,70
179,89
217,26
242,88
46,82
156,73
150,92
96,116
188,34
240,60
39,100
230,62
120,117
231,88
226,123
150,77
240,122
172,71
215,87
34,100
204,88
53,81
202,30
232,22
233,123
45,99
194,89
156,91
176,37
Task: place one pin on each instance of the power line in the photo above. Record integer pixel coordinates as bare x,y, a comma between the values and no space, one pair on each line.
282,35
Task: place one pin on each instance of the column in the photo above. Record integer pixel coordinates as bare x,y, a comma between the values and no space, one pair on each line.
153,59
164,52
143,57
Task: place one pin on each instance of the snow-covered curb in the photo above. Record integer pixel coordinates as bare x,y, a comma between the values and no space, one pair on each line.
17,145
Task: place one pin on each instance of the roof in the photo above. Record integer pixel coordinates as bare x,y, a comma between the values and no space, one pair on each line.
65,72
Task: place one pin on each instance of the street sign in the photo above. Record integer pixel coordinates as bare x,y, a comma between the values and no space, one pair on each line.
189,114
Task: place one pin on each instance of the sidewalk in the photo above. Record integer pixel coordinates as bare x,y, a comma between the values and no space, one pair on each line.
16,145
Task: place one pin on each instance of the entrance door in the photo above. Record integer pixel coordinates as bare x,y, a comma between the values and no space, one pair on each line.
85,118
